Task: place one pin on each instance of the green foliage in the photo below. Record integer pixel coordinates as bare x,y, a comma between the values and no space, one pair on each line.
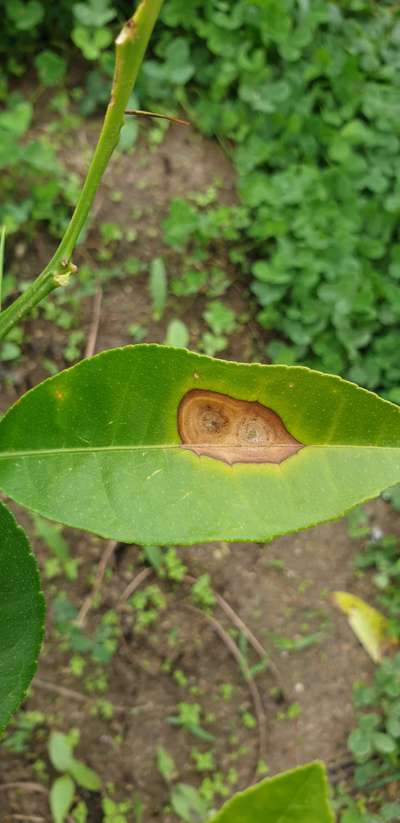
147,604
91,33
382,557
306,95
114,812
22,615
61,561
202,592
61,797
79,463
35,24
189,717
74,773
165,764
51,68
165,562
24,725
100,646
309,98
35,188
177,334
294,797
188,804
375,742
158,287
393,495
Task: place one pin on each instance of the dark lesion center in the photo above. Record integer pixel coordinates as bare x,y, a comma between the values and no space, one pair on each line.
212,421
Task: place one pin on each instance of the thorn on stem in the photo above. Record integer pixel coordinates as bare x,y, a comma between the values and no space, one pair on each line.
142,113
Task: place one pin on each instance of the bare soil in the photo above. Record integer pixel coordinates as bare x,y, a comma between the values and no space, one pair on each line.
281,590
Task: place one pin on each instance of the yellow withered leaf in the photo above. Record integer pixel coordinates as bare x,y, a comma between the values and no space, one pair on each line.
368,624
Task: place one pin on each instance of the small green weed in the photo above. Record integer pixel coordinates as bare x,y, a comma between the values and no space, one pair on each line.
189,718
147,604
202,593
74,774
24,727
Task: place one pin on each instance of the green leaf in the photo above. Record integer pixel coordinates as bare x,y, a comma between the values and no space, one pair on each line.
86,777
177,334
91,42
25,15
94,13
153,555
220,318
384,743
50,67
16,119
21,615
165,764
60,751
188,804
360,744
53,537
297,796
158,287
98,447
61,797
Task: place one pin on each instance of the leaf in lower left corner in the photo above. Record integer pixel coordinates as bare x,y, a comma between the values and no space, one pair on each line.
21,615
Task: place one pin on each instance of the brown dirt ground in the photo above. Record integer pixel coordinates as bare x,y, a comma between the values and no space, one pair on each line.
280,590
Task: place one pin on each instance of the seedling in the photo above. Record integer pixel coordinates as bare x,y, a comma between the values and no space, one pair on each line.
188,804
73,773
202,592
189,718
166,765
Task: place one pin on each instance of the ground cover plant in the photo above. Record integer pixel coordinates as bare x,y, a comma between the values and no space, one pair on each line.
310,120
299,427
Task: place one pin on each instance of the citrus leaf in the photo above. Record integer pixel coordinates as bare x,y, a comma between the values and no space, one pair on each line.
296,796
21,615
100,447
368,624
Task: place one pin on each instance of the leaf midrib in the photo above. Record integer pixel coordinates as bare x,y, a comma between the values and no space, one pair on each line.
166,446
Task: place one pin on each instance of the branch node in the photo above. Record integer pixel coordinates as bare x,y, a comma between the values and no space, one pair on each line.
63,278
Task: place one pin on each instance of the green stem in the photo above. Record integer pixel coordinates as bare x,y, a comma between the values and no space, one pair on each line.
130,48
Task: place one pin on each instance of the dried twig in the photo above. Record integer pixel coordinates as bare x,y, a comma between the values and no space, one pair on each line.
63,691
94,326
253,688
71,694
232,647
133,585
26,787
142,113
32,818
88,602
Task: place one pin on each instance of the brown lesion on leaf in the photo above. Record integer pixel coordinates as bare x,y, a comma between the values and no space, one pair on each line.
234,431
